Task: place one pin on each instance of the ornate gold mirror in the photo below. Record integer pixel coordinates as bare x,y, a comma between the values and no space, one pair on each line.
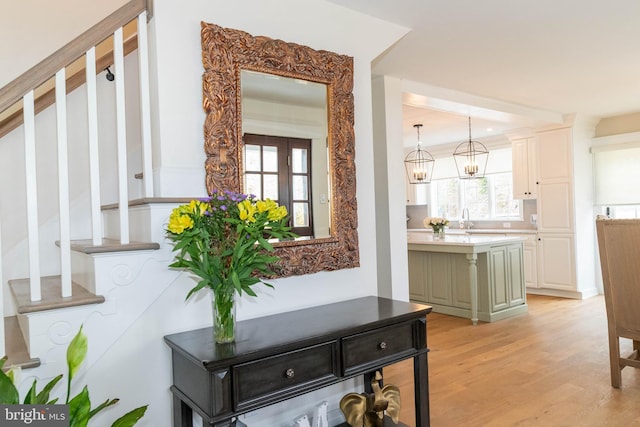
238,68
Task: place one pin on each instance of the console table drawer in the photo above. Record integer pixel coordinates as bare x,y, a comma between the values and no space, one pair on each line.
371,348
273,377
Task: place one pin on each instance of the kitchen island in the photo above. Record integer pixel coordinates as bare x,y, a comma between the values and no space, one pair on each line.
478,277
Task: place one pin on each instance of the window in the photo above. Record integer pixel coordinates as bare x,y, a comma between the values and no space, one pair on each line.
488,198
615,166
624,211
279,169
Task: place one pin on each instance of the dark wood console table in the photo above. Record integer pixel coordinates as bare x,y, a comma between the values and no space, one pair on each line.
278,357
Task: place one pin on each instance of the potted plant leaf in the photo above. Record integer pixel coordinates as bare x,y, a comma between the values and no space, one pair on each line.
80,411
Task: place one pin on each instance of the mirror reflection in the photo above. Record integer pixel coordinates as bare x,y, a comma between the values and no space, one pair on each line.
285,154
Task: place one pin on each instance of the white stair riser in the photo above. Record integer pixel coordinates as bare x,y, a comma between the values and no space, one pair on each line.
100,273
146,223
129,282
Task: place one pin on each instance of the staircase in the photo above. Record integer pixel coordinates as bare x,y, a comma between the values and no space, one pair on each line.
93,253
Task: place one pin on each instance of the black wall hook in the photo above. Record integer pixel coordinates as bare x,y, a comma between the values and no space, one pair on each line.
110,76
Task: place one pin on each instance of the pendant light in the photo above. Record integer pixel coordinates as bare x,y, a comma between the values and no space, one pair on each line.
419,163
471,158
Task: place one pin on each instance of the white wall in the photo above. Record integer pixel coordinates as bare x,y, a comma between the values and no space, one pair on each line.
179,126
391,225
140,357
176,29
180,121
43,27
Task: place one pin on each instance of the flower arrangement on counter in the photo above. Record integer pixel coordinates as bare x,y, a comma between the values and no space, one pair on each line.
437,224
224,241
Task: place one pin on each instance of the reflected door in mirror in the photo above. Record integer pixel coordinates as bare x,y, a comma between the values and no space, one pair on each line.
279,168
293,114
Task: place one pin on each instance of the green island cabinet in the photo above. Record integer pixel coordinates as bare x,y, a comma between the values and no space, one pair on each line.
478,277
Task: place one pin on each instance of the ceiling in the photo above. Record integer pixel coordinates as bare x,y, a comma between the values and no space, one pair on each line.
562,57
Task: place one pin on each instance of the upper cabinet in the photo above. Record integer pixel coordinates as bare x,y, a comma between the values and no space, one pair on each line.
554,156
524,168
555,183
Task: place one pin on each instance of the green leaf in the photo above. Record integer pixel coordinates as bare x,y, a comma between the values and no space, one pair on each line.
236,281
130,418
249,291
76,352
43,397
105,404
31,394
196,288
79,409
8,392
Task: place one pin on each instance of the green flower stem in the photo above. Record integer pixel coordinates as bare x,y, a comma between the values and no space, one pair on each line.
224,315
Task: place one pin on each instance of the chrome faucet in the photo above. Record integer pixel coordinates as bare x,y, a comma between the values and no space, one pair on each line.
465,223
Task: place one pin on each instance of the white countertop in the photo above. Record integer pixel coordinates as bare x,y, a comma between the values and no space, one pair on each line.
457,243
459,231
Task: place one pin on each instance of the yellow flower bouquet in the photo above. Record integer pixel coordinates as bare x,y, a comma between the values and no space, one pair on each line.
224,241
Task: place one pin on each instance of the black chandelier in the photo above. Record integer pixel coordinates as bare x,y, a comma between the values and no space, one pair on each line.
419,163
471,158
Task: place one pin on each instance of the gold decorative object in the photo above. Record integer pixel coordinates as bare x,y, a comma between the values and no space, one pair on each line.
368,409
225,52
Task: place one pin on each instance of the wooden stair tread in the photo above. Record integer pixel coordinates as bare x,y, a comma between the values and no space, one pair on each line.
16,348
109,245
51,295
152,200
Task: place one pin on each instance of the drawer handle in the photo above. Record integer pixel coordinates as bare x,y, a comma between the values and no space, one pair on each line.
290,373
382,345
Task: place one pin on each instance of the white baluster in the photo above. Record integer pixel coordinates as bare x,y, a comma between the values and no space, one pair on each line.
32,195
94,155
123,199
63,182
145,104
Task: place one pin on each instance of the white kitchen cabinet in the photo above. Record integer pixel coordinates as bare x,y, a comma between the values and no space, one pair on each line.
530,260
556,261
524,168
410,192
554,155
556,213
555,207
416,193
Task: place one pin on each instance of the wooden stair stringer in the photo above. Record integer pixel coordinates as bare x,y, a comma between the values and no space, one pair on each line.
16,347
137,280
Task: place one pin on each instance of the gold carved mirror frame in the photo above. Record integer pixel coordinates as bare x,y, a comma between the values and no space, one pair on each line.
225,52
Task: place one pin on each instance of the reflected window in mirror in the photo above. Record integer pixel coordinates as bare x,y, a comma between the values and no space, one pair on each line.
279,169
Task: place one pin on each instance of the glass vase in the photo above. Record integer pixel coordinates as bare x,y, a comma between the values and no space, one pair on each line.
224,315
438,233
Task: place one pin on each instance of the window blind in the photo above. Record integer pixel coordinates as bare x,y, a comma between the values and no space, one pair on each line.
617,174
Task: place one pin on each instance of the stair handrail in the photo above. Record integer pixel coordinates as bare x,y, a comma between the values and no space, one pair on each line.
45,69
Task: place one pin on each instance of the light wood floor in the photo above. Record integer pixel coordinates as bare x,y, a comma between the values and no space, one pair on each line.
549,367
